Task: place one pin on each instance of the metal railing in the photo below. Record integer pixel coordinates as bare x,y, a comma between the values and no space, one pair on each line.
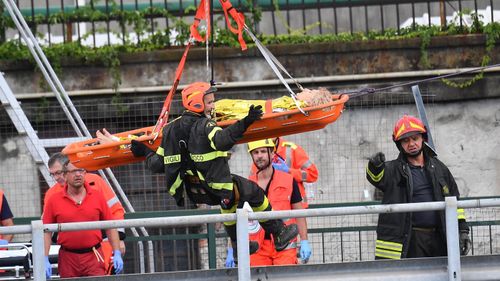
37,228
105,22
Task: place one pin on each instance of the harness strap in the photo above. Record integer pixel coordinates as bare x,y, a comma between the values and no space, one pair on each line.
201,14
238,18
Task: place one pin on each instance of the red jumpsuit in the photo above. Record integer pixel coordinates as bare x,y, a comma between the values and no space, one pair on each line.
112,201
279,193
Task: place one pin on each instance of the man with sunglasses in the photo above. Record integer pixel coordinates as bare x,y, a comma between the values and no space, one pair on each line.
55,164
80,253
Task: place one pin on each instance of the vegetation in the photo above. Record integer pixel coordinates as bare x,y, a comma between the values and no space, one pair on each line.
140,23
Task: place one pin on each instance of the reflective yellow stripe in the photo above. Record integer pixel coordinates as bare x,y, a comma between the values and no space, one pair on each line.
202,178
393,246
290,144
262,207
170,159
230,211
160,151
387,254
208,156
221,185
461,214
375,178
177,183
211,136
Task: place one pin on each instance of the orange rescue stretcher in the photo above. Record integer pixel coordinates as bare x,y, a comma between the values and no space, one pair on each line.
92,156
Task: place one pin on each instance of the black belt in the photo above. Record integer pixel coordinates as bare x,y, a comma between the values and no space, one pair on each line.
425,229
84,250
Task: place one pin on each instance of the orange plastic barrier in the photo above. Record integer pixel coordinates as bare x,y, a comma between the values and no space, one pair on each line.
93,156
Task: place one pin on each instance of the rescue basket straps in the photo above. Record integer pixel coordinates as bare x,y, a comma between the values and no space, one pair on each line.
267,55
201,14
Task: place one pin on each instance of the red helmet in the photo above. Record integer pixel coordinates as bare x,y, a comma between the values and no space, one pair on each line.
192,96
408,126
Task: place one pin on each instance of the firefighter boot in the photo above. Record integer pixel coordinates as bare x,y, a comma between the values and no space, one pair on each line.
282,234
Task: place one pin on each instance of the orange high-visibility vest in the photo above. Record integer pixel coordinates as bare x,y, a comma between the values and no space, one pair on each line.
279,192
301,168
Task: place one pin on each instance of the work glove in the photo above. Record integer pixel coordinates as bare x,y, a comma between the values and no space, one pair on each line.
377,159
465,243
117,261
48,268
305,251
230,258
139,149
254,114
3,242
281,166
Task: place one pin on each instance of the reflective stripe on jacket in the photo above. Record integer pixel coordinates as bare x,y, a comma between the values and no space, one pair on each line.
393,179
207,145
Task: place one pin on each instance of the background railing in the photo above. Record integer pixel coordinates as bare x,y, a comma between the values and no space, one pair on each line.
340,242
450,207
106,22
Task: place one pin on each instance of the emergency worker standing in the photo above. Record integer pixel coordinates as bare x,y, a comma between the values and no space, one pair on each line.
293,159
415,176
80,253
55,164
6,218
193,155
283,192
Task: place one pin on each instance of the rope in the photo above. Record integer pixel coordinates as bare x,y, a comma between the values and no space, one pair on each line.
367,91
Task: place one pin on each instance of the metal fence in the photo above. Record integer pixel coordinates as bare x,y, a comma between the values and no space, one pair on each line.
106,22
36,228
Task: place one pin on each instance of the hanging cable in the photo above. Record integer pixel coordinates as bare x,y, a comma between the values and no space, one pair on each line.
367,91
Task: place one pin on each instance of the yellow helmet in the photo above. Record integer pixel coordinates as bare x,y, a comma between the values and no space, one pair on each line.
260,143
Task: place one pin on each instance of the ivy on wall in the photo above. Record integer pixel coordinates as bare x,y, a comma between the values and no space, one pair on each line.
109,56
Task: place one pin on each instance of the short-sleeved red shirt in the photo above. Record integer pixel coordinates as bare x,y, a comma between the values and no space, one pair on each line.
60,208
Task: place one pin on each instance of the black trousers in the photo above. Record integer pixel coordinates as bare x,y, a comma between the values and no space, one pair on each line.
426,244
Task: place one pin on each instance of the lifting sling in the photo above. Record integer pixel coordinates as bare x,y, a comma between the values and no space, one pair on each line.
92,155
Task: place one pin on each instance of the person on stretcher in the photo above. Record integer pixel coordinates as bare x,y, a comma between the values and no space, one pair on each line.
227,109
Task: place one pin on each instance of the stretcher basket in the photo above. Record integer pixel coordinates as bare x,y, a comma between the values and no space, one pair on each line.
91,155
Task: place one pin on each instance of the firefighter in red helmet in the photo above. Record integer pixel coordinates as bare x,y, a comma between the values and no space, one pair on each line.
417,175
194,157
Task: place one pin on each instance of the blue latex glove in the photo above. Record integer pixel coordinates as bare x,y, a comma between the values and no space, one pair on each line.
230,258
281,165
305,251
117,261
3,242
48,268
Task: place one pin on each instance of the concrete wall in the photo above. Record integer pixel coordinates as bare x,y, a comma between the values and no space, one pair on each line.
465,121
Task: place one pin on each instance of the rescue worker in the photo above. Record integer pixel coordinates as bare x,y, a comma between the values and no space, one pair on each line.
193,156
415,176
55,164
6,218
283,192
81,252
293,159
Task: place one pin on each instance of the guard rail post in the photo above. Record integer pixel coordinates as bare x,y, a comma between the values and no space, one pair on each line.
242,244
38,250
452,241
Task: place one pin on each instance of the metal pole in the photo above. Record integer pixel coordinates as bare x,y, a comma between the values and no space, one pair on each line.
38,250
422,114
452,242
242,244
